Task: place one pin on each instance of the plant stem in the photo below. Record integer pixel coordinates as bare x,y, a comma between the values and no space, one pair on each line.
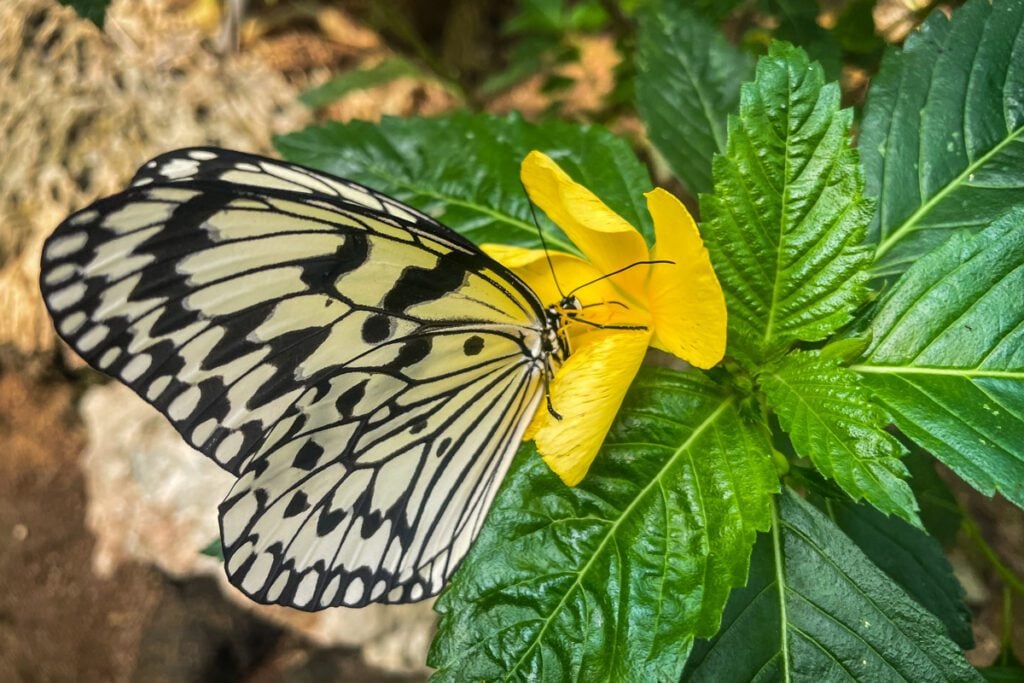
1010,580
1006,646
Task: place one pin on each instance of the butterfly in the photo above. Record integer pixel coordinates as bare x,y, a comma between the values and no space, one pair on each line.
365,372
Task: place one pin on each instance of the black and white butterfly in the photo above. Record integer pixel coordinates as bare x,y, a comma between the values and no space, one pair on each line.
365,372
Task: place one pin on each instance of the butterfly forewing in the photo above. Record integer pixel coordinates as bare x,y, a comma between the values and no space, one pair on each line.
366,372
234,168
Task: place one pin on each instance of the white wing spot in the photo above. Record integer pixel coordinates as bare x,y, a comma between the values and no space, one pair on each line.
179,168
304,593
416,592
202,154
354,592
228,448
203,432
60,274
68,244
108,357
93,337
258,573
278,586
261,180
359,196
84,217
136,367
327,597
138,215
378,590
142,181
186,402
238,558
304,181
157,387
72,323
172,194
396,594
399,212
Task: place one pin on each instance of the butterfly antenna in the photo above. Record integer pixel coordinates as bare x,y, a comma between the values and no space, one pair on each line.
615,272
543,242
610,302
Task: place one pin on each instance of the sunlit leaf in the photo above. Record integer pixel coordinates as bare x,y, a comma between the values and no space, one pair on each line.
787,217
613,579
947,355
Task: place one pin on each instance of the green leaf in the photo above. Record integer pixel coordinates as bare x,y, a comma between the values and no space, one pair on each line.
1009,672
943,134
817,609
947,356
715,10
688,81
588,16
464,169
213,549
787,217
940,511
855,30
537,16
913,559
361,79
830,419
613,579
93,10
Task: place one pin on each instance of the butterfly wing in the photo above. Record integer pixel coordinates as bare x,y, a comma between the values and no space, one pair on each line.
238,168
364,371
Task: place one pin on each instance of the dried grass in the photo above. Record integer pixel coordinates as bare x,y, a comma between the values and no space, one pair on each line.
81,108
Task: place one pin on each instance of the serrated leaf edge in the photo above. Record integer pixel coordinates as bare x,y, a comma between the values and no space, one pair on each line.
610,533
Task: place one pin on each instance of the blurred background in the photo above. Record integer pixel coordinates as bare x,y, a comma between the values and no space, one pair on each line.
104,513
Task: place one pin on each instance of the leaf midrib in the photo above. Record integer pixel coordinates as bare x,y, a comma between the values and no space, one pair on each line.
969,373
841,439
770,323
855,584
911,223
613,529
780,581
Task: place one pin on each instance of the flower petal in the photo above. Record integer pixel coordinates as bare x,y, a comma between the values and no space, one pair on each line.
686,301
587,391
604,237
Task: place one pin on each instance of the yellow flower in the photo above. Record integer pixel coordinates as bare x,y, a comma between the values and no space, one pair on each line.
679,305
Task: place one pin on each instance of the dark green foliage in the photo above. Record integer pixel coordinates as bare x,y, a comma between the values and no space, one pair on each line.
943,137
687,82
817,609
464,169
875,311
93,10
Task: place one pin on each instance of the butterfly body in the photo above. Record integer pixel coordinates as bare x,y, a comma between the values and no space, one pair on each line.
365,372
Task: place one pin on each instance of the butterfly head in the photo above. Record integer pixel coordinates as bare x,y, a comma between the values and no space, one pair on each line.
557,337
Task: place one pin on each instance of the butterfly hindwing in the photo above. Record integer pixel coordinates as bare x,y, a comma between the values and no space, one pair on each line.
364,371
449,438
